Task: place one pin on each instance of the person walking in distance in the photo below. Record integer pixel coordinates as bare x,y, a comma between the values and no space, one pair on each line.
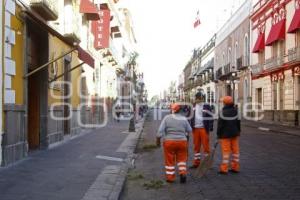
228,131
174,130
202,124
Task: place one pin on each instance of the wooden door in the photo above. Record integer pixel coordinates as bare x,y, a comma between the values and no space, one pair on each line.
33,113
281,96
33,91
259,96
298,89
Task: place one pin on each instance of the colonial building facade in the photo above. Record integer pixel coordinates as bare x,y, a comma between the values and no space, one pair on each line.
275,60
232,56
198,74
56,68
205,72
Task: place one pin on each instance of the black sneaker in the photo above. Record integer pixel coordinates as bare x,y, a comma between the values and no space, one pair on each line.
182,178
169,181
234,171
193,167
222,173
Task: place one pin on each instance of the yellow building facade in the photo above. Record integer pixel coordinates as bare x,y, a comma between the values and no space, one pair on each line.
41,77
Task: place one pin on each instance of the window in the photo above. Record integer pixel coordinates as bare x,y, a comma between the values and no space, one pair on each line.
275,95
208,95
298,90
245,90
278,49
259,98
274,50
281,95
236,54
298,38
261,57
229,56
246,50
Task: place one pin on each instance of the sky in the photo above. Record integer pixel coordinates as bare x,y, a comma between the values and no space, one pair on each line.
166,36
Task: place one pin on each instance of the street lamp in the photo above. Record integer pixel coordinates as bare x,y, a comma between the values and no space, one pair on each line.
232,80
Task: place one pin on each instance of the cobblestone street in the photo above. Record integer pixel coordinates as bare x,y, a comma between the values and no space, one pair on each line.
269,170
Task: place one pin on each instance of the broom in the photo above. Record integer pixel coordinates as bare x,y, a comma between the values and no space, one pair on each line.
207,163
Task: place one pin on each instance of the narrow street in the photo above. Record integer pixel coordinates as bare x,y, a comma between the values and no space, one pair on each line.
67,171
269,170
85,84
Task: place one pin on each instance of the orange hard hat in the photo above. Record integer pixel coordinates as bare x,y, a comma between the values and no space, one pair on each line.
175,107
227,100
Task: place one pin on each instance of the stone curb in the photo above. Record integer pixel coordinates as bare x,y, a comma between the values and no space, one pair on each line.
118,187
268,129
109,184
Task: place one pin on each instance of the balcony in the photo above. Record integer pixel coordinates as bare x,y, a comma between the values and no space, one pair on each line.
227,69
259,5
242,62
72,29
210,76
256,69
274,63
294,54
45,8
199,82
219,73
239,63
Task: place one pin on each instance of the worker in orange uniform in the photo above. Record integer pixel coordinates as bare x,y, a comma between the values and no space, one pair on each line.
202,124
228,131
175,130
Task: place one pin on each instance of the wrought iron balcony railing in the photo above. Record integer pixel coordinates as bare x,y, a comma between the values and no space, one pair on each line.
227,69
242,62
45,8
219,73
256,69
239,63
273,63
294,54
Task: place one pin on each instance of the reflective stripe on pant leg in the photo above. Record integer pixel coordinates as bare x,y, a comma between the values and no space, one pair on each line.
170,167
235,164
182,157
236,157
225,147
197,156
169,160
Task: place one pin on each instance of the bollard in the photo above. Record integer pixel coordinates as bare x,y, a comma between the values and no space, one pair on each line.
131,125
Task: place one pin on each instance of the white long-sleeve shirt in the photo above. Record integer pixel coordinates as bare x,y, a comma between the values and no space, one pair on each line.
199,116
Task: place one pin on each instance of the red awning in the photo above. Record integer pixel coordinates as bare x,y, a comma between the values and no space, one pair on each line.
260,43
295,24
90,9
277,32
85,57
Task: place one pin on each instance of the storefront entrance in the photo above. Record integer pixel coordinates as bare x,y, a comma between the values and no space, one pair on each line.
37,54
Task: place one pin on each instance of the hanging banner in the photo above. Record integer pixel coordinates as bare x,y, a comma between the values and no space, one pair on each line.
101,30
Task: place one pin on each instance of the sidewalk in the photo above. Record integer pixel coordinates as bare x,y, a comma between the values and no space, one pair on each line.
275,128
90,167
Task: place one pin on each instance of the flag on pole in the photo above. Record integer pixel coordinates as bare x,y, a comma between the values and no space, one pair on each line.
197,21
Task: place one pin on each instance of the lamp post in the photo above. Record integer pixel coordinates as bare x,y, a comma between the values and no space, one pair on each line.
132,63
232,82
